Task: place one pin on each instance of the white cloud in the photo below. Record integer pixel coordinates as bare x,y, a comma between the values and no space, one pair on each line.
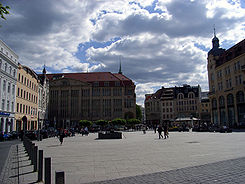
157,47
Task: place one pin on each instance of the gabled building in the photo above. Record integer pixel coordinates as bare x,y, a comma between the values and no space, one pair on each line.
90,96
168,104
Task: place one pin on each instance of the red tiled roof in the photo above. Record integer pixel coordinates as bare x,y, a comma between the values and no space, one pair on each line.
93,77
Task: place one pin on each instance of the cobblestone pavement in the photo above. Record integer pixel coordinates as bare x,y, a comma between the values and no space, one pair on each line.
223,172
17,168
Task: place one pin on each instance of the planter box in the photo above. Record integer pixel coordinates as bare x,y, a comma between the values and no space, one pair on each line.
110,135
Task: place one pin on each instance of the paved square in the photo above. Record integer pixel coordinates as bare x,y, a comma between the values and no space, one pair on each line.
86,159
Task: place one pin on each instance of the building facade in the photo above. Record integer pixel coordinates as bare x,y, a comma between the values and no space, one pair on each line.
226,76
205,112
168,104
43,99
8,78
26,115
90,96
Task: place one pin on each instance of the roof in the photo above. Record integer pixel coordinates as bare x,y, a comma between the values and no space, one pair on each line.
93,77
232,53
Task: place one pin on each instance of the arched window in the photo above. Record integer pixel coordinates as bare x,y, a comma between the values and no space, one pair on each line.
240,97
180,96
221,101
230,99
191,95
214,103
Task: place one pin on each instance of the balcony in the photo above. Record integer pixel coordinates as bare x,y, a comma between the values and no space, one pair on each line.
243,68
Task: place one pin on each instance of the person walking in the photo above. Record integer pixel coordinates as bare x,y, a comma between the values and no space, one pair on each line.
165,129
62,135
159,129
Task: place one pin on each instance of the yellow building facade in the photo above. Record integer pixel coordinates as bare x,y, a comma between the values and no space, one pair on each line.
26,99
226,86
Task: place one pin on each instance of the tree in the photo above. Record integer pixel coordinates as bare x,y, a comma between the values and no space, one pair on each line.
101,123
132,122
4,11
85,123
138,112
118,121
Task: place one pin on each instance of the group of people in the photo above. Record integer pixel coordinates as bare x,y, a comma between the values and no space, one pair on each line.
164,129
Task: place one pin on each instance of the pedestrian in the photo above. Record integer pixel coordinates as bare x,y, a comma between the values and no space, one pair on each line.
165,129
144,129
61,136
159,129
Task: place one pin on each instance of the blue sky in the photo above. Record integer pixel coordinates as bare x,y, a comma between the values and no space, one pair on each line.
159,42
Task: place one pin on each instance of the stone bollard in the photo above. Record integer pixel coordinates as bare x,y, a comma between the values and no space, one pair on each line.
32,153
47,170
35,158
60,177
40,166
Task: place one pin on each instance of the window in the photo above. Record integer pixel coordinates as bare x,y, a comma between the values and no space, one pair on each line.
19,77
22,78
7,105
3,104
9,87
13,89
17,108
0,63
10,70
21,92
14,72
106,84
18,92
4,85
20,108
5,69
12,109
117,83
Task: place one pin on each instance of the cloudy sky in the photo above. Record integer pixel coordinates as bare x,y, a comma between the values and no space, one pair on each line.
159,42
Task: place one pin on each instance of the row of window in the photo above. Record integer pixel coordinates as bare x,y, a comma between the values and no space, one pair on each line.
190,95
227,70
230,100
170,104
25,109
238,81
7,54
167,110
8,88
9,106
7,68
167,116
26,95
192,108
27,82
186,102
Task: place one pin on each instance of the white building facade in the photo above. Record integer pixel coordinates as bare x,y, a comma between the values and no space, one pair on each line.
8,79
43,99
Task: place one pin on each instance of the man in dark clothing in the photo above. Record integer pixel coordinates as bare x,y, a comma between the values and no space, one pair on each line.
160,131
165,129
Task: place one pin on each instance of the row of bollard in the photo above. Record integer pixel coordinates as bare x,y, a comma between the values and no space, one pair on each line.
36,157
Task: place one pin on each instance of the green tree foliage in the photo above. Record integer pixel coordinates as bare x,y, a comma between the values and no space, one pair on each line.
138,113
4,11
118,121
85,123
101,123
132,122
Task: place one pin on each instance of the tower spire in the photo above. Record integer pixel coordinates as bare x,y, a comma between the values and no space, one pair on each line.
120,67
214,31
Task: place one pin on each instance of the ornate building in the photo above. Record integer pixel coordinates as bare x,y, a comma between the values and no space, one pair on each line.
90,96
43,99
8,78
226,84
26,99
167,104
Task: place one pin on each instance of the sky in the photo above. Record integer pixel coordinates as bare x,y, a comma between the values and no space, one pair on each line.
159,42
